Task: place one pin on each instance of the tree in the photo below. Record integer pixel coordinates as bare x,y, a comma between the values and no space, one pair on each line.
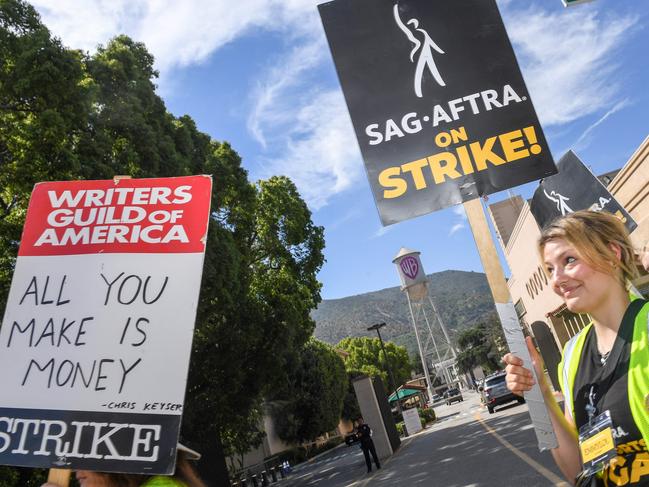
365,356
258,286
44,103
479,347
311,404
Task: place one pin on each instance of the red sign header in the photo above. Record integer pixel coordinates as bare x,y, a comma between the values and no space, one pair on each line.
159,215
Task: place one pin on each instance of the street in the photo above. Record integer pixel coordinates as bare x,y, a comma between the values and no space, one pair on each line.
465,447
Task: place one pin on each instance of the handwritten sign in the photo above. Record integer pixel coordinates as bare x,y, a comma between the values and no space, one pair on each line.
97,333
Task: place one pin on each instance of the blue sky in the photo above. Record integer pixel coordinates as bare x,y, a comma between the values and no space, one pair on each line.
258,73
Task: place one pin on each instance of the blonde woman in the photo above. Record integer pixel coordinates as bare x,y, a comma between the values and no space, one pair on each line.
604,372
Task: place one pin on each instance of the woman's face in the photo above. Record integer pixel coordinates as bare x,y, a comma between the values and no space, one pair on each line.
582,287
87,478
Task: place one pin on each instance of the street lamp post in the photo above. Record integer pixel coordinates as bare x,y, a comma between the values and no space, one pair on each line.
377,328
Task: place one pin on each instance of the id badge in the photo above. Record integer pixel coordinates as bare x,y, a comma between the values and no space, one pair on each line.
597,444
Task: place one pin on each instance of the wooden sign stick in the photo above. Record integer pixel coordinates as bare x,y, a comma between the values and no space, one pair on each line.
59,476
508,318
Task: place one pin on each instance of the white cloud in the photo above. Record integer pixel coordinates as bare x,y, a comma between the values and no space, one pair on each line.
583,139
382,231
568,59
456,228
177,33
305,129
459,211
319,151
352,214
460,223
85,24
274,96
567,56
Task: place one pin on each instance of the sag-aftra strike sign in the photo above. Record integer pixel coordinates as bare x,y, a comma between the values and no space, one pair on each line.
574,188
437,100
96,337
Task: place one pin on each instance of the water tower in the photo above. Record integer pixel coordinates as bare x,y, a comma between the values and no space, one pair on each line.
435,347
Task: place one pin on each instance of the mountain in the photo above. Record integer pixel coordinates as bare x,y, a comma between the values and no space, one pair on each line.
462,298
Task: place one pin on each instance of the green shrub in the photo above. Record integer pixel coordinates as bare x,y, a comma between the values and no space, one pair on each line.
22,477
401,429
427,415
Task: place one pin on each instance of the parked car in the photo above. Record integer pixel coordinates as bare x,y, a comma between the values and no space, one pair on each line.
453,395
496,392
351,438
437,398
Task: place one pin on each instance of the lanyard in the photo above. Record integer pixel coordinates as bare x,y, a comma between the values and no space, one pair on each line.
591,406
592,397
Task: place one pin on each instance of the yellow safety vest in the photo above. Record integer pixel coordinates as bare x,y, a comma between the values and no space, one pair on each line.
638,374
161,481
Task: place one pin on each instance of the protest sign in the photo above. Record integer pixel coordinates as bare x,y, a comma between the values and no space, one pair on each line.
97,332
574,188
437,100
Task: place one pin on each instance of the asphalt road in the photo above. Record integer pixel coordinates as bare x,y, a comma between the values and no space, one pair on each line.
466,447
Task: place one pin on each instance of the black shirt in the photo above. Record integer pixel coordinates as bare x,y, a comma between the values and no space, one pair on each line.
365,435
631,467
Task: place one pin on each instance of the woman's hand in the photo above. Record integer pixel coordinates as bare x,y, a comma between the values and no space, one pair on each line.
520,379
50,484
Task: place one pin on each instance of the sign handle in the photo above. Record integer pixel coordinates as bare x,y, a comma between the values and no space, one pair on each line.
508,318
59,476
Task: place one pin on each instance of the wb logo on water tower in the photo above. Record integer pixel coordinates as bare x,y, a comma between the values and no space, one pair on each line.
410,267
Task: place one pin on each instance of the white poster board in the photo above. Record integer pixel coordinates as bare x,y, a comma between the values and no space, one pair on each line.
97,332
412,421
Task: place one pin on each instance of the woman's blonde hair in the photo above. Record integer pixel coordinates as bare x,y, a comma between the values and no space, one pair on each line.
592,233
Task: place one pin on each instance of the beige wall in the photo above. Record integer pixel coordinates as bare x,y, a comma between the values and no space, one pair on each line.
631,189
528,282
504,215
273,444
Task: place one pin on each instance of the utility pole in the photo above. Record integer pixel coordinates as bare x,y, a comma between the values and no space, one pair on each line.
377,327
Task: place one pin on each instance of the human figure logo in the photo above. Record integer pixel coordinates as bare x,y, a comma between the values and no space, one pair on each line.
560,201
409,266
422,49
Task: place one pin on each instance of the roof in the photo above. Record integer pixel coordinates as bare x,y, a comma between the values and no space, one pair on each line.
403,394
405,251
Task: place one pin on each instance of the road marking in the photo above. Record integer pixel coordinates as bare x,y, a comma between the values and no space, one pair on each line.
363,482
548,474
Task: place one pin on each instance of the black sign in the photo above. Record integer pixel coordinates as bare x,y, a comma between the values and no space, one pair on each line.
107,441
438,103
574,188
